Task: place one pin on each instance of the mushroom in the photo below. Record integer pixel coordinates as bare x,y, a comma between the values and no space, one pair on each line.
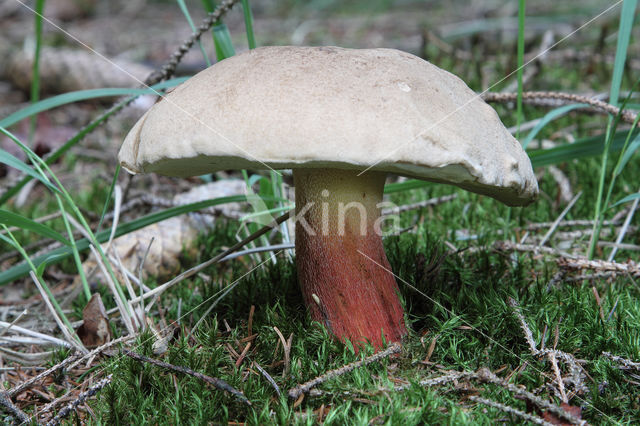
341,119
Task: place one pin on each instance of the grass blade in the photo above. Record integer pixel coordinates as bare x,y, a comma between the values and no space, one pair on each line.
22,269
221,35
627,199
627,14
582,148
519,74
222,41
248,23
53,156
549,117
624,34
187,15
83,95
35,72
13,219
14,162
628,153
107,200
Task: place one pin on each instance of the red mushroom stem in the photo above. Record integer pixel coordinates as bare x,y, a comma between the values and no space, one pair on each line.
343,271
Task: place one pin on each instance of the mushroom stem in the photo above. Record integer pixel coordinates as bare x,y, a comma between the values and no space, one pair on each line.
342,268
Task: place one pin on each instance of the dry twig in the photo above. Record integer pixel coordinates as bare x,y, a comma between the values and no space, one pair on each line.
169,69
79,400
574,262
577,373
5,401
625,364
625,228
217,383
555,224
438,380
564,98
295,392
26,385
510,410
487,376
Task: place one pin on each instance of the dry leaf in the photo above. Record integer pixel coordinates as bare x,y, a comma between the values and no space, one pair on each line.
95,330
571,409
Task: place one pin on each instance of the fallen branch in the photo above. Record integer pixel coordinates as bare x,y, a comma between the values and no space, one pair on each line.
268,377
625,364
577,373
79,400
487,376
570,261
29,383
169,69
564,98
630,267
217,383
439,380
5,401
510,410
295,392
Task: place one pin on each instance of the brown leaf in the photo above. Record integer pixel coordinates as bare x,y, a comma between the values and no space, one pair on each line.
95,331
553,419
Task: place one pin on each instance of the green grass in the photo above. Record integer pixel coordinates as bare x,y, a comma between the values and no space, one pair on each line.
467,291
464,304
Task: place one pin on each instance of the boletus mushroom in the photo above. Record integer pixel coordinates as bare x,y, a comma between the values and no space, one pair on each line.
341,119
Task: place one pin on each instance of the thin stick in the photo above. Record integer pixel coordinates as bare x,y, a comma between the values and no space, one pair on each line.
630,267
510,410
623,231
35,334
169,69
556,222
5,401
528,335
295,392
5,328
29,383
570,261
101,349
572,223
73,341
556,372
552,354
27,358
79,400
218,383
268,377
439,380
566,98
75,363
263,249
487,376
626,364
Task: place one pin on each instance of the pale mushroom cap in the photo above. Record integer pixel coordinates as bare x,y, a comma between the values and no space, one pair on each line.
292,107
